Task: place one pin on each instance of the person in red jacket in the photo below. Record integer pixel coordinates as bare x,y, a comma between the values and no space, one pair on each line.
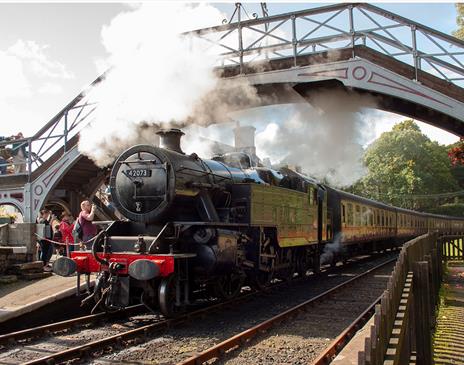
66,228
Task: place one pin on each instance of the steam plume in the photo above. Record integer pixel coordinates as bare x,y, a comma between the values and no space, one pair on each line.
324,139
158,77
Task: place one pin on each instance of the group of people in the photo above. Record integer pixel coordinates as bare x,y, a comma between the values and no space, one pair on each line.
13,160
60,234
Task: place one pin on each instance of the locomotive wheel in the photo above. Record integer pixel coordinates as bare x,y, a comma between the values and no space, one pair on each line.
261,279
167,296
228,286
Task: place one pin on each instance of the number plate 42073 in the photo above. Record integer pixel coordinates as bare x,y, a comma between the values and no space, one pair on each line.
138,173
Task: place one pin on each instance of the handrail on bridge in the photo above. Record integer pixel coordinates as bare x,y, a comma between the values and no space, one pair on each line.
369,25
37,148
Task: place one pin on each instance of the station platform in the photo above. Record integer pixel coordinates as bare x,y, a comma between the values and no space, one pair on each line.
23,297
448,345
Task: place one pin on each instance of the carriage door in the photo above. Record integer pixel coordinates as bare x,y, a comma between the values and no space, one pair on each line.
321,214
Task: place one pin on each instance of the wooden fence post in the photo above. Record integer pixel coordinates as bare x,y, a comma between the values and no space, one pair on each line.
421,290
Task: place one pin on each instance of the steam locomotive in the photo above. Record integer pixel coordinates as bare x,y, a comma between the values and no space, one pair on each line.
201,228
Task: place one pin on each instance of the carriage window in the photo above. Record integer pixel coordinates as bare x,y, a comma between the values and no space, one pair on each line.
371,218
357,216
378,217
364,216
350,214
383,218
343,213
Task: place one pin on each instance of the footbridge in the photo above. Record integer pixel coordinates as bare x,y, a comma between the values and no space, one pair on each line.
408,68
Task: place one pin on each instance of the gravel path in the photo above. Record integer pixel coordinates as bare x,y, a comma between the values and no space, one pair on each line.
35,349
287,345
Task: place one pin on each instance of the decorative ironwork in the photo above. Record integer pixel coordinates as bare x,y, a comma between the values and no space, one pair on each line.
336,27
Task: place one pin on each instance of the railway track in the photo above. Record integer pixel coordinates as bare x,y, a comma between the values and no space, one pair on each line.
116,338
70,324
318,304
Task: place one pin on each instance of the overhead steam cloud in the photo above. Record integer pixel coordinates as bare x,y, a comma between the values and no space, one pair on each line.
324,139
158,77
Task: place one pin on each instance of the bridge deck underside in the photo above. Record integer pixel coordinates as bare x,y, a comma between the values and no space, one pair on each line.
387,103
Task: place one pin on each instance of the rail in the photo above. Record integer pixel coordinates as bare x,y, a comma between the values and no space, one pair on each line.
405,317
240,339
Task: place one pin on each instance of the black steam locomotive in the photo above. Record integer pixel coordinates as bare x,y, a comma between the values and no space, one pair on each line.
203,228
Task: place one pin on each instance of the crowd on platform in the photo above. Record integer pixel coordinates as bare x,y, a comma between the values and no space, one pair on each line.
64,234
13,160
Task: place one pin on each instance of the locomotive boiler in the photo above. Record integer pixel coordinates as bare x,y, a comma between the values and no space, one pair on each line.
198,228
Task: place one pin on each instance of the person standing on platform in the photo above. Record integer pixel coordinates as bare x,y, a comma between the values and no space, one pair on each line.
58,237
86,217
46,247
66,228
19,155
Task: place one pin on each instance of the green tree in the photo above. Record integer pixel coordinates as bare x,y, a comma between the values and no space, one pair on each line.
459,33
405,163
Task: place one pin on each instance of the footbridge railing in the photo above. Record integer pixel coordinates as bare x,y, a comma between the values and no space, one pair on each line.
54,138
402,329
337,27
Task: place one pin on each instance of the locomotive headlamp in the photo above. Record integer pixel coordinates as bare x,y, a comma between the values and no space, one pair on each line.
143,269
64,266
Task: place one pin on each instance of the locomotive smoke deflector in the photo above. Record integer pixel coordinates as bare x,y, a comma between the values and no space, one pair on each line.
170,139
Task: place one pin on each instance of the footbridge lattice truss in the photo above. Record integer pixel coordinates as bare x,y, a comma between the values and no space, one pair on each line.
410,68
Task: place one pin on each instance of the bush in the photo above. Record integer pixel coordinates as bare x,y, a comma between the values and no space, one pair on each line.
456,210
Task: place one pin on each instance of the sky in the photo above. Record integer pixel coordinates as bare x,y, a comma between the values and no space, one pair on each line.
50,52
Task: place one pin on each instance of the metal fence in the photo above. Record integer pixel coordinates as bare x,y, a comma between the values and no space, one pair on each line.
336,27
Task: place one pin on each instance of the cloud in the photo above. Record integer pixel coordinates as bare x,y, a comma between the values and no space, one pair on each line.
28,75
13,80
50,88
33,55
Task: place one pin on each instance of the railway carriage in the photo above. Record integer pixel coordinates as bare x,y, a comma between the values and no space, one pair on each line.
200,228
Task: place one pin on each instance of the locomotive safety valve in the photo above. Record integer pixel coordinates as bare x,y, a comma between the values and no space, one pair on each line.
143,269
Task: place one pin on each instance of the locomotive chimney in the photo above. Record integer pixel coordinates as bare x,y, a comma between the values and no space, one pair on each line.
170,139
245,139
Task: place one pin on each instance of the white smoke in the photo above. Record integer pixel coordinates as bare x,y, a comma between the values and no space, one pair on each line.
324,139
158,77
332,250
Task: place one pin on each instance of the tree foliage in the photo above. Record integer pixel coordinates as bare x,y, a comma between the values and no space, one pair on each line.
459,33
456,153
406,163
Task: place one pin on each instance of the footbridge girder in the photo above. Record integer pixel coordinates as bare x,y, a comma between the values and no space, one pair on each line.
432,100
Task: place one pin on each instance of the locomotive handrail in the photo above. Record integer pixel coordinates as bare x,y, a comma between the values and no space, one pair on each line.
158,236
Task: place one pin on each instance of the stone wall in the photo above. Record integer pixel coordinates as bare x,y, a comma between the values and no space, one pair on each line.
13,255
4,234
19,235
